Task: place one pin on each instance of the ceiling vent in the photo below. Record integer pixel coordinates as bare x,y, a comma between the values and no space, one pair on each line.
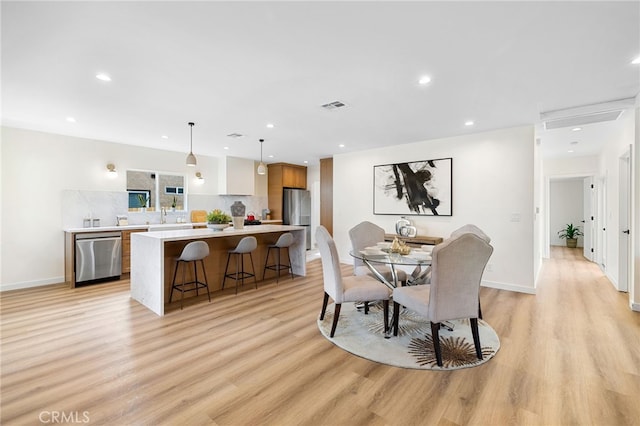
587,114
334,105
235,135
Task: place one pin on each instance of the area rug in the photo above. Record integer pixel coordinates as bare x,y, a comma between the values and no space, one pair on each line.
363,335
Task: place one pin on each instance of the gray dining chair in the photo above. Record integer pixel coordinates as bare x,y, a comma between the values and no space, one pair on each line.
352,288
456,271
367,234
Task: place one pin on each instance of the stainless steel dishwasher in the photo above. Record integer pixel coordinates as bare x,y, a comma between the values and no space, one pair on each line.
98,257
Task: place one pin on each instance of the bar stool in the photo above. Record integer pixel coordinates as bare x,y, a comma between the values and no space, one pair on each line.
192,252
283,242
245,246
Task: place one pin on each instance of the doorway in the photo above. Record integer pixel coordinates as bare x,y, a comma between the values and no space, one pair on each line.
624,240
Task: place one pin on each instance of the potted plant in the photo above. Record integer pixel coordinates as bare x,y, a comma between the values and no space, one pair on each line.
218,220
173,204
143,200
571,233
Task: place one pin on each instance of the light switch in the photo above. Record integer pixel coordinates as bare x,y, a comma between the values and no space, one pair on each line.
515,217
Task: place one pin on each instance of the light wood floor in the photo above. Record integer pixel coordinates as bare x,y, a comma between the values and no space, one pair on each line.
570,356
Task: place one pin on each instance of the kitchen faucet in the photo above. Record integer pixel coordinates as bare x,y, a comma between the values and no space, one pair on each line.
163,215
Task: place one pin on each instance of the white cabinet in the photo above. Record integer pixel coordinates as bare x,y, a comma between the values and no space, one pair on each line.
236,176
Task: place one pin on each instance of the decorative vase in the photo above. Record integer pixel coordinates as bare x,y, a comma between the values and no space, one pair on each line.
238,222
238,209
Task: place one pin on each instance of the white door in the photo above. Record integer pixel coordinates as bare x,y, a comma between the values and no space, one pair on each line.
601,220
588,221
624,240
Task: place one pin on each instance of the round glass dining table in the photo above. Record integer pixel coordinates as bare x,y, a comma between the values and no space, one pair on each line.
420,260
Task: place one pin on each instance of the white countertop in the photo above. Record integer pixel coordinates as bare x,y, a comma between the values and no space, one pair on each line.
189,234
146,226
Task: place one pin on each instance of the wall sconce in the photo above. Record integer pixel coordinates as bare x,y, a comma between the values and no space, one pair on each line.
112,174
199,180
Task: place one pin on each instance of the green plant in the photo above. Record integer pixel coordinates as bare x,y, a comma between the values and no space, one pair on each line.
570,232
173,204
218,216
142,200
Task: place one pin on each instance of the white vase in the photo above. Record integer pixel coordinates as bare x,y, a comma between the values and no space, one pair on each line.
238,222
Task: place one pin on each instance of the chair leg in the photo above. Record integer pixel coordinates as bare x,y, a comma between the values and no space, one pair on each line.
206,281
366,308
266,262
195,275
173,283
476,337
289,258
396,315
435,328
184,280
324,305
253,269
277,265
479,309
336,314
385,304
226,270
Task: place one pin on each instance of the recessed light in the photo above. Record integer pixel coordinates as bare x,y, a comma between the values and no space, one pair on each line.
636,61
270,156
576,129
226,147
425,79
164,137
341,145
270,126
468,123
570,150
103,77
71,119
305,162
573,143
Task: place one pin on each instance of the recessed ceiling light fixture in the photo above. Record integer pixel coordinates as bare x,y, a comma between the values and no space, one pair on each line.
570,150
226,147
341,145
468,123
636,61
191,159
424,80
71,119
576,129
270,126
573,143
103,77
164,137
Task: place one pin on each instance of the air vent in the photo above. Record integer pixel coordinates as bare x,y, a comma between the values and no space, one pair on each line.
235,135
334,105
586,114
582,120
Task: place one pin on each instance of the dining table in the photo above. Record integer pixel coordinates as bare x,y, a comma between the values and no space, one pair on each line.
418,259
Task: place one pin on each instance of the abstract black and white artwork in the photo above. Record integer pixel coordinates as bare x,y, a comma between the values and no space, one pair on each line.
415,188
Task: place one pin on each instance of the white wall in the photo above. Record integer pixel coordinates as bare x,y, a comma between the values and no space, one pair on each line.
37,168
566,205
635,288
492,187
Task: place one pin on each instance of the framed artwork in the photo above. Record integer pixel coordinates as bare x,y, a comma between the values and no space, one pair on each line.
416,188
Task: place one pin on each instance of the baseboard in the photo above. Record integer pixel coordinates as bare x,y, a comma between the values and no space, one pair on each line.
509,287
30,284
613,282
635,307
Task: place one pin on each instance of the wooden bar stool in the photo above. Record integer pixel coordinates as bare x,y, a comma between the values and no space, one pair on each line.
245,246
283,243
192,252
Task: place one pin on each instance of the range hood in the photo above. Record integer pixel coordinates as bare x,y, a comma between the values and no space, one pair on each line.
236,176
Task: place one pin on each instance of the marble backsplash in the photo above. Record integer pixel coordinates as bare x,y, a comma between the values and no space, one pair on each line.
106,205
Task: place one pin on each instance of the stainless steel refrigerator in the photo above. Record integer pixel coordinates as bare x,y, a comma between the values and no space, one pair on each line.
296,209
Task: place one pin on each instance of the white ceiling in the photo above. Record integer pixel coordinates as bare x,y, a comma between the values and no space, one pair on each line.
236,66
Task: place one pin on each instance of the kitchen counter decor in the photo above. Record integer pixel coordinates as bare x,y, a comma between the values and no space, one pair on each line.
218,220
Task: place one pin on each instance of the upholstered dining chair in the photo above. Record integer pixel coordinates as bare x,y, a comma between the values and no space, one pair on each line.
457,267
367,234
352,288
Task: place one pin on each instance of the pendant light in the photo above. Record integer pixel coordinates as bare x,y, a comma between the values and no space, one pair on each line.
191,159
262,169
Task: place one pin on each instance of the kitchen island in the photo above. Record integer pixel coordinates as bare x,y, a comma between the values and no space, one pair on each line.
153,257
